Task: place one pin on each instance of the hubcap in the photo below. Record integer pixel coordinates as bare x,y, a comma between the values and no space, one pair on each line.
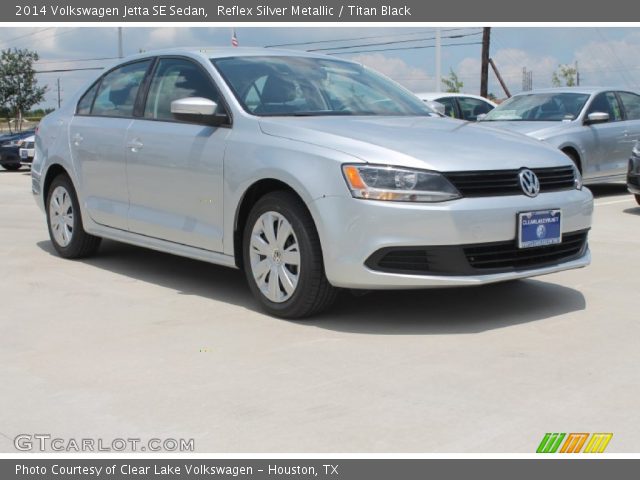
274,257
61,216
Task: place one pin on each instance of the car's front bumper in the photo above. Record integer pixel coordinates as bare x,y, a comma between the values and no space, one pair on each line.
633,175
352,230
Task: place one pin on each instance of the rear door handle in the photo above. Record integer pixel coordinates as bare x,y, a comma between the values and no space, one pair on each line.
77,139
135,145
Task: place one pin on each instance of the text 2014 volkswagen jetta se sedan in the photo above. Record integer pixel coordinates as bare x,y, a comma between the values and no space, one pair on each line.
307,172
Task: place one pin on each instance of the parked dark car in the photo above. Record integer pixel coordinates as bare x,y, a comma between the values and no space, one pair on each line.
10,149
633,173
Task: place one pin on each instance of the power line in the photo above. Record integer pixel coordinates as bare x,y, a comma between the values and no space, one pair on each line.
422,32
27,35
42,62
405,48
62,70
390,42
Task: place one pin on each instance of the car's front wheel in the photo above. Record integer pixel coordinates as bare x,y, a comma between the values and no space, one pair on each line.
283,259
65,222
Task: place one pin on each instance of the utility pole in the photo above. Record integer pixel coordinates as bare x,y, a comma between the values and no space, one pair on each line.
577,75
59,100
438,60
484,71
120,54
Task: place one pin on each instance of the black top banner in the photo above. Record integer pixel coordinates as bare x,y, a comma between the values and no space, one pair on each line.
235,11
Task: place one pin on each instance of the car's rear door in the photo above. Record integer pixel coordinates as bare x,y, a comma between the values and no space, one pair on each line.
174,168
96,138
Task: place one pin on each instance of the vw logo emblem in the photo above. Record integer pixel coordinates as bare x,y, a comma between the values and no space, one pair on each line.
529,182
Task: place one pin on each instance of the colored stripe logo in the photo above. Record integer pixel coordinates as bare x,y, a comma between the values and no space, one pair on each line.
574,442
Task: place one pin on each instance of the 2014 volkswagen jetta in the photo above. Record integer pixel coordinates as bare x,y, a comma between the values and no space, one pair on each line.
307,172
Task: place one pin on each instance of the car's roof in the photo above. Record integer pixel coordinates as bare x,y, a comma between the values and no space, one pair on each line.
585,90
222,52
434,95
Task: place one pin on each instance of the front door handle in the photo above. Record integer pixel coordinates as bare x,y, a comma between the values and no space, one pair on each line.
135,145
77,139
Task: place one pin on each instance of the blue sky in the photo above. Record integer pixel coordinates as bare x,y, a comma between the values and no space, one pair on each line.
604,55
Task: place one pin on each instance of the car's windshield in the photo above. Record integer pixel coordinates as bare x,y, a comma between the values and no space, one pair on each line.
542,107
302,86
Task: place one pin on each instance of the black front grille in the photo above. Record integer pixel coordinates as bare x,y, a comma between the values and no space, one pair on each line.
505,182
496,257
508,255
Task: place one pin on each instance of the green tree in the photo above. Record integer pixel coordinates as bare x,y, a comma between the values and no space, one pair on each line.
19,90
452,83
565,75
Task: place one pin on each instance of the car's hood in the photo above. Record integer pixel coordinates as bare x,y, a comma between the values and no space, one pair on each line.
420,142
533,129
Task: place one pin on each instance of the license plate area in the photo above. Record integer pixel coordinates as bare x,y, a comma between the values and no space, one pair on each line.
539,228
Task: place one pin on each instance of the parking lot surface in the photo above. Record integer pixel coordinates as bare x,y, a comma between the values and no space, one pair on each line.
136,343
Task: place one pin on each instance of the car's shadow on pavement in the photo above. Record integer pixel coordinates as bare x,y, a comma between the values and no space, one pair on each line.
426,312
608,189
632,211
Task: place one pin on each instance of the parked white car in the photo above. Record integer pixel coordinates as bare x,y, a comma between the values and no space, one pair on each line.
459,105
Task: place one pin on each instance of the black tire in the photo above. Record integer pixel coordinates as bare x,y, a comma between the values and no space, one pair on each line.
313,292
637,199
574,158
11,166
81,243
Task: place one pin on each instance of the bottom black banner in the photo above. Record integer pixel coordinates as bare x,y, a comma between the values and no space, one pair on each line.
369,469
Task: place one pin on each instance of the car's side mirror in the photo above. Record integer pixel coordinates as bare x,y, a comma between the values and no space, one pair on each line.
437,106
596,117
198,110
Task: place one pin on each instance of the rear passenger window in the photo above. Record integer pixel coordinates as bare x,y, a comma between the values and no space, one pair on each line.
449,106
118,90
472,107
84,105
631,103
176,78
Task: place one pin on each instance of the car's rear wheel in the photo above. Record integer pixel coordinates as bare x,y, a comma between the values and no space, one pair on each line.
65,222
11,166
283,259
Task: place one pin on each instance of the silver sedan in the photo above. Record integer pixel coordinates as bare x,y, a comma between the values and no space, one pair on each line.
309,173
596,127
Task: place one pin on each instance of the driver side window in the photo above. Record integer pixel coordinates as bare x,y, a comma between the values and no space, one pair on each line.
176,78
606,102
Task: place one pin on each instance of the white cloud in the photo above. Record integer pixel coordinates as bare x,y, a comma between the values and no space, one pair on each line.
415,79
610,62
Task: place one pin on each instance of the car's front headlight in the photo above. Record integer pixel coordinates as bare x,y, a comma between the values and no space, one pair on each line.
397,184
577,178
12,143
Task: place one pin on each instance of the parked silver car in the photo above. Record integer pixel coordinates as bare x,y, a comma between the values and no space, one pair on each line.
309,173
595,127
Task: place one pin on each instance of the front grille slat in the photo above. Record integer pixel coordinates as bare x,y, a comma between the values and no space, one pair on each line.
505,182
